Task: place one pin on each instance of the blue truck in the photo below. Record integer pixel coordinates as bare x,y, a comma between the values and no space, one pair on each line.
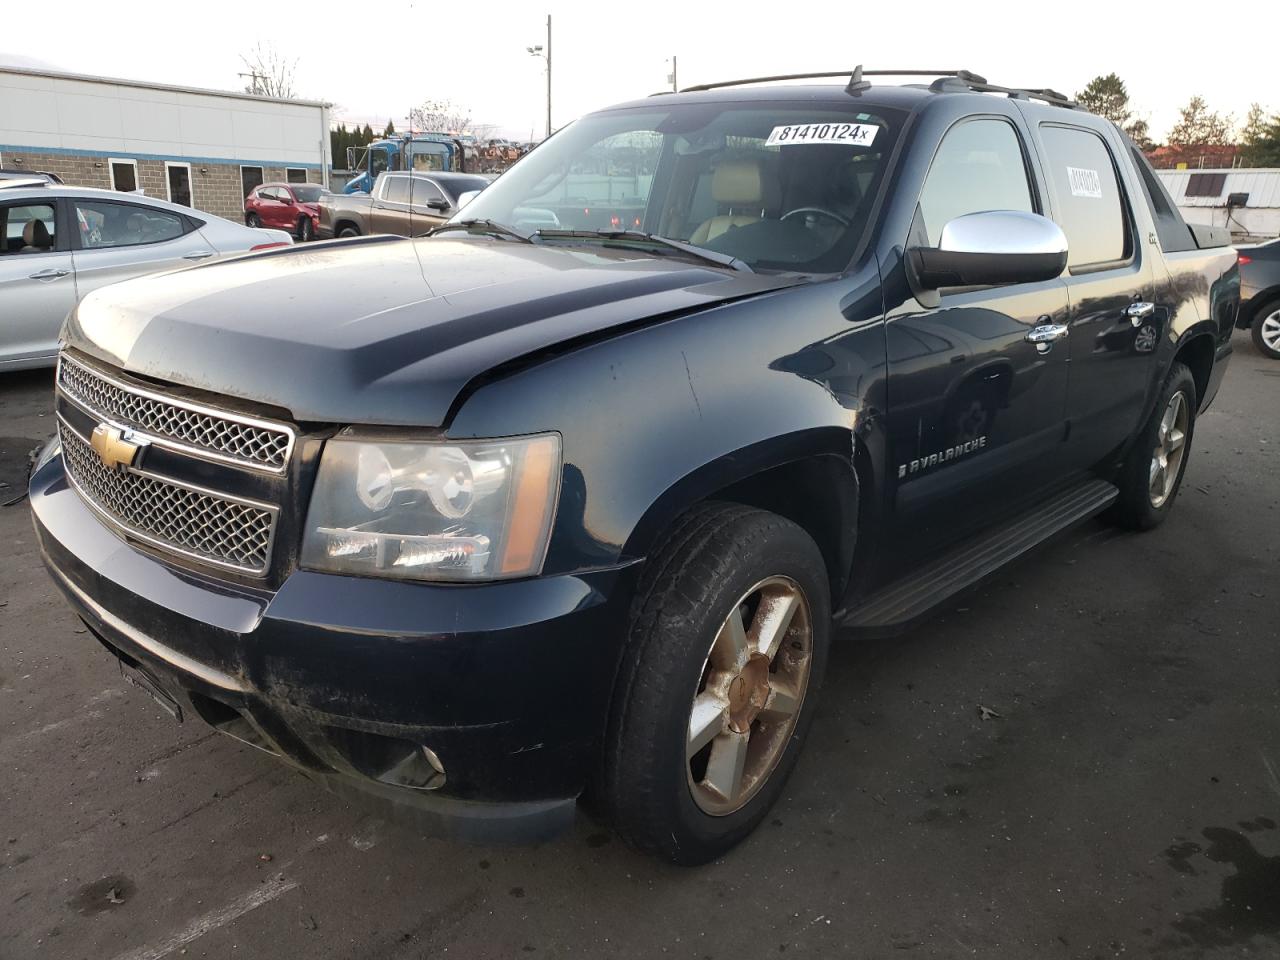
421,152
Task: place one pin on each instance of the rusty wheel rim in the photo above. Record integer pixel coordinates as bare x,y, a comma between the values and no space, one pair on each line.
749,695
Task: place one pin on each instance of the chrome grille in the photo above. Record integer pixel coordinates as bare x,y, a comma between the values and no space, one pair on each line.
201,430
202,524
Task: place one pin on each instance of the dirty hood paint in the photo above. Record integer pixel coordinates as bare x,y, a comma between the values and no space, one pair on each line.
381,331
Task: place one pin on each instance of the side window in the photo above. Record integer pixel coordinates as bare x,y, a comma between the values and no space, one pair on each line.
424,191
28,228
1086,195
378,161
396,190
978,167
103,225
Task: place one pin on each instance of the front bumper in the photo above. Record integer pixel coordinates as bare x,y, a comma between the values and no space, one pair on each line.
348,678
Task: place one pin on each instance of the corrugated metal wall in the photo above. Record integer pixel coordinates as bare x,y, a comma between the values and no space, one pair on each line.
1262,185
1259,220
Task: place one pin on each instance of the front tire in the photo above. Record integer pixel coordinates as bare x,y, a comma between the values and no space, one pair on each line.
1152,475
306,232
1266,330
726,652
348,231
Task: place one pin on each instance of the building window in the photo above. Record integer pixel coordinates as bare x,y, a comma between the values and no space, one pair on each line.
178,178
124,175
1205,184
295,174
250,177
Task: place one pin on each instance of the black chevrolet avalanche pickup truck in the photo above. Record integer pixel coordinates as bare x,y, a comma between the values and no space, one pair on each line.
565,500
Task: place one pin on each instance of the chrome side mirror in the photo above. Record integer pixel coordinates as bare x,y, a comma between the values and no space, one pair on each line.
991,248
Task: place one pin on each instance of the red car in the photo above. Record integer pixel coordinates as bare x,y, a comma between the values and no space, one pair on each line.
285,206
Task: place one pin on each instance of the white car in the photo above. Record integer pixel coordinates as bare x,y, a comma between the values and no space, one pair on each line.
61,242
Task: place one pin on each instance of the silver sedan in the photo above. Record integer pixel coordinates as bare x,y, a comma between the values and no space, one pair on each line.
61,242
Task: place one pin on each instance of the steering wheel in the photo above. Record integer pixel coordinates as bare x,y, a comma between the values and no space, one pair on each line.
821,211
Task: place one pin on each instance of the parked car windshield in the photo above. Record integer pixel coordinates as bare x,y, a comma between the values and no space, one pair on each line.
784,186
308,194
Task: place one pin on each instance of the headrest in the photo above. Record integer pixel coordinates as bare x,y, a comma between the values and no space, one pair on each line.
742,183
36,234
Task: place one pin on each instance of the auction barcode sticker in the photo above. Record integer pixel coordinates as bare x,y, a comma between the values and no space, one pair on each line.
851,134
1084,182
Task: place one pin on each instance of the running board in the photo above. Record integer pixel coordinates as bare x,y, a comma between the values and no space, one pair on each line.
904,601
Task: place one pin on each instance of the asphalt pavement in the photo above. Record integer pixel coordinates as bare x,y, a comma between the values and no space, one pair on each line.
1118,795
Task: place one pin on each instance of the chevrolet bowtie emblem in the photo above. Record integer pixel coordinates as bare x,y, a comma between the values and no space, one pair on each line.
113,446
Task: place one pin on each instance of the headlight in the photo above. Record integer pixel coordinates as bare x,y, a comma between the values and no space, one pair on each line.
478,510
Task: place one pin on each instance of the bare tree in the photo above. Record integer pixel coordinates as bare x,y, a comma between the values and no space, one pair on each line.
443,116
268,73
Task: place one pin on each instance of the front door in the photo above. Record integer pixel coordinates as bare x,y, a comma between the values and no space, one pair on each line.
976,410
1115,324
37,283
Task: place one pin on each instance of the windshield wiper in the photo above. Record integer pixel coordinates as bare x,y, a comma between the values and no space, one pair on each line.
640,237
490,227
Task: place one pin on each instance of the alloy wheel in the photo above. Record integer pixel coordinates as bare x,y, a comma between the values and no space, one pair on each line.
1166,459
749,695
1271,330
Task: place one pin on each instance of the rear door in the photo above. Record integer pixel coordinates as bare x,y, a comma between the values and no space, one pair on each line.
975,409
390,212
37,283
1115,322
116,240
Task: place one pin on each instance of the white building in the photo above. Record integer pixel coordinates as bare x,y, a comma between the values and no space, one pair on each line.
203,148
1245,201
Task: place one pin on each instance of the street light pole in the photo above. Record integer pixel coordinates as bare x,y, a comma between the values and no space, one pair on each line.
548,75
545,53
675,84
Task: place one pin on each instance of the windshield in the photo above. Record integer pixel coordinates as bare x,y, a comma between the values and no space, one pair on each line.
308,194
785,186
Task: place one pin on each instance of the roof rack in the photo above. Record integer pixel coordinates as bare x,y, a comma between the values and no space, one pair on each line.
979,85
947,81
856,83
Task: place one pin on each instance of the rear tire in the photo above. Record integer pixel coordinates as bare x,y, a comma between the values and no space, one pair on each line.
1152,475
708,720
253,220
1266,330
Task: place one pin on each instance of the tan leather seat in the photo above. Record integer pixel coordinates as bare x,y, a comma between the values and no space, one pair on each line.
746,188
35,237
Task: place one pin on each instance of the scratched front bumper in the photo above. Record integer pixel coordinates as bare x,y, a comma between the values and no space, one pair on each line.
344,677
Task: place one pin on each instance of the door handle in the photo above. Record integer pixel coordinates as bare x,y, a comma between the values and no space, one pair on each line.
1138,311
198,255
1047,333
50,274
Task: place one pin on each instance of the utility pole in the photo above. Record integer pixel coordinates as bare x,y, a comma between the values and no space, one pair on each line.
671,77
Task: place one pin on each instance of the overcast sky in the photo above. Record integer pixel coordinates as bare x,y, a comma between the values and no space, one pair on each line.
474,53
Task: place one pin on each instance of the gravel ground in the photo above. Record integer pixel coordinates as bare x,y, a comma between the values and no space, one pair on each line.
1124,801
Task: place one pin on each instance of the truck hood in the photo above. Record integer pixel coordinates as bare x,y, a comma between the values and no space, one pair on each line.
381,330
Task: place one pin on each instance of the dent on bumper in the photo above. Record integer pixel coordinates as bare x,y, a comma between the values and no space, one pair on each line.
507,683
